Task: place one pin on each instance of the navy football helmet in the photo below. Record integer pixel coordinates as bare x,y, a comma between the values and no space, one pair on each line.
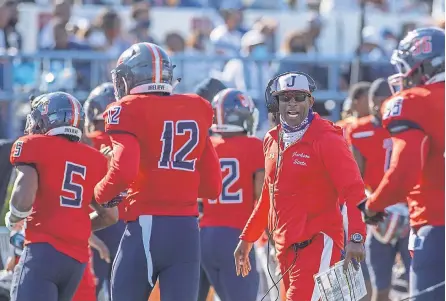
234,111
97,102
418,59
143,68
57,113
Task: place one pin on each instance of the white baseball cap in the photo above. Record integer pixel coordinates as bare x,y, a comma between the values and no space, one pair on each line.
292,82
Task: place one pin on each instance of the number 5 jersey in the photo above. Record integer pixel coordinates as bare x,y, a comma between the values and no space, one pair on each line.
68,172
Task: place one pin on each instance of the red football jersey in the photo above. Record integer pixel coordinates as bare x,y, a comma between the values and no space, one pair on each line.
68,172
373,141
423,108
98,138
172,132
240,157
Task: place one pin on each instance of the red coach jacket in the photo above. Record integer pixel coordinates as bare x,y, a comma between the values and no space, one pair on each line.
315,175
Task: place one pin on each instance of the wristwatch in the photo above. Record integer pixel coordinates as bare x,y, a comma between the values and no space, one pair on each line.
356,238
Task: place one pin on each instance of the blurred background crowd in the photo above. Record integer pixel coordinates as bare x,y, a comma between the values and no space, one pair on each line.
72,45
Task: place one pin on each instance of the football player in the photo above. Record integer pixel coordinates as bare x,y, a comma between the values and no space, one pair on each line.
242,166
371,145
162,152
94,108
356,105
415,118
53,191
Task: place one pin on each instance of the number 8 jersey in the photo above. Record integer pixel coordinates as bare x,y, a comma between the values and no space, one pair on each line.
68,172
177,162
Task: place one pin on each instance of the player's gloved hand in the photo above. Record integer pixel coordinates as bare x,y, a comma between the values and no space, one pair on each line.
17,240
370,217
107,151
115,201
241,257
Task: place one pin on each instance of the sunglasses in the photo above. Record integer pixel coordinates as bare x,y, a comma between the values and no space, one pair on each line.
297,96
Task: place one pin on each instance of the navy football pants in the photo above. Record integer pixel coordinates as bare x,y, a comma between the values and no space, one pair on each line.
428,262
45,274
217,254
164,248
380,260
111,236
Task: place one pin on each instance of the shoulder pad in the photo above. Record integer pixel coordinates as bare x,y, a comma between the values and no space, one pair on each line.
25,150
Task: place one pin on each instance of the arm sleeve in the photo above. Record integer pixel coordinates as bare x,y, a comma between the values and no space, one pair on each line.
258,221
344,172
210,173
409,153
123,169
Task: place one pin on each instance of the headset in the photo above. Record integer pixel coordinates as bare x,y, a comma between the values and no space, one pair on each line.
272,105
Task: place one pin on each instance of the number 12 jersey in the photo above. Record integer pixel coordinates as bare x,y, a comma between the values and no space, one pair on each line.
176,154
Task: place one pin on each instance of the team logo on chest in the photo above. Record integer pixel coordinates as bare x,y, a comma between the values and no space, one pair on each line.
300,158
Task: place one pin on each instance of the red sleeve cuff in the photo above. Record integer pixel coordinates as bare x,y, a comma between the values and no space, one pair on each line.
123,170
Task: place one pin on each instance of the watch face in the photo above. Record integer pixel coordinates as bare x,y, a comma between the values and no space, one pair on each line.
357,237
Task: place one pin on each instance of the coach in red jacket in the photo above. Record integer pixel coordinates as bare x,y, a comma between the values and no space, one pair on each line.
309,173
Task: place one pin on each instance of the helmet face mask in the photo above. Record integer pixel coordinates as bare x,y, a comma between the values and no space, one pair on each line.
96,104
418,59
55,114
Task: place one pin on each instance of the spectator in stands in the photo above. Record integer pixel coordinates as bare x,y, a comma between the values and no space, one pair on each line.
60,67
226,37
389,41
61,15
62,41
374,59
267,27
110,24
314,28
296,43
93,37
251,76
141,19
12,35
6,8
196,68
175,43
